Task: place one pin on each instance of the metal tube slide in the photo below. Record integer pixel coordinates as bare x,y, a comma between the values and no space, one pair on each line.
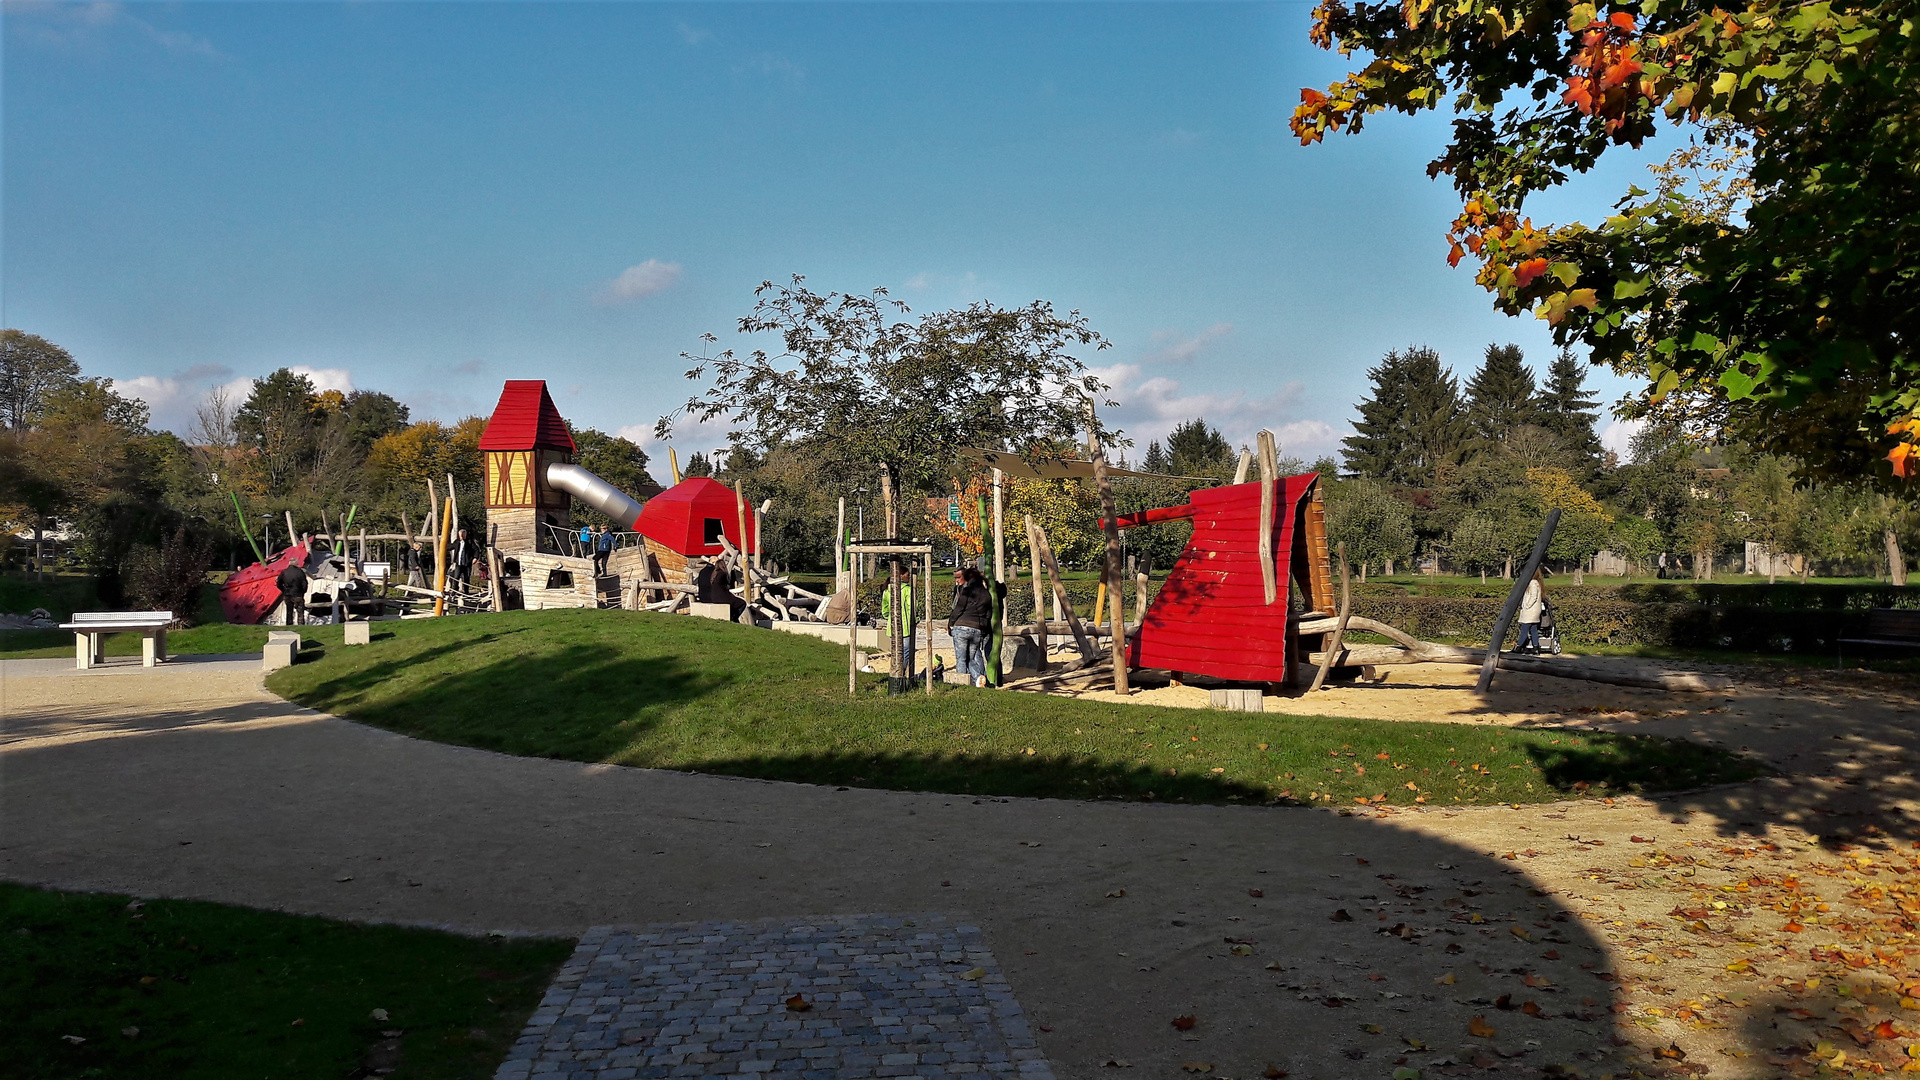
595,492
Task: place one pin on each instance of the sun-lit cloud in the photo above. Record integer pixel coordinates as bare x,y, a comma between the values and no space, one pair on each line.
325,379
1618,436
1148,407
639,281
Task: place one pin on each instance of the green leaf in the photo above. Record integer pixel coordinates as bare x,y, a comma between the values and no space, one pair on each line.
1566,272
1725,83
1665,385
1738,384
1624,290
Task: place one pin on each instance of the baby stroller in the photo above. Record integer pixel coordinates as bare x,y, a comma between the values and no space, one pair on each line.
1549,628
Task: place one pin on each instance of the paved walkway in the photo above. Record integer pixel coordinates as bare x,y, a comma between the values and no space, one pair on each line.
821,999
1306,941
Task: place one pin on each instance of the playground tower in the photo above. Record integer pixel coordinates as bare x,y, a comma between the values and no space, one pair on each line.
524,436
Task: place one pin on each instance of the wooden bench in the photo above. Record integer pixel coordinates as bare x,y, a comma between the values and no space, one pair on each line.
1890,627
90,630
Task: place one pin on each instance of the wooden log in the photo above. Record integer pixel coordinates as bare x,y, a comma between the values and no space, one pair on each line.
1240,473
1373,656
1513,599
1038,537
440,560
1140,585
1112,569
927,600
1269,479
740,509
1319,564
1039,610
1340,625
496,568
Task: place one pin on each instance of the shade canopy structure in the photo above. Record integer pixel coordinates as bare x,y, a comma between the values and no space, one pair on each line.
690,517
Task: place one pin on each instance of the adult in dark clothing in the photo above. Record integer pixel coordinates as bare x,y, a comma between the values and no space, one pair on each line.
460,558
968,625
293,592
416,562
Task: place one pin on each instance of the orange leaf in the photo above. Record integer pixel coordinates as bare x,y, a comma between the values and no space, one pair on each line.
1185,1023
1479,1028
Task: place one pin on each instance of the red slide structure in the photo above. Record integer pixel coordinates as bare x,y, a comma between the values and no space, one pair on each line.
1211,617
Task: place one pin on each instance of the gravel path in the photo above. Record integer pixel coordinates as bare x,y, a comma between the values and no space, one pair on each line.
1296,939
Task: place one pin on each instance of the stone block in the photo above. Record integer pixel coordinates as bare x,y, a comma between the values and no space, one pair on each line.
1237,700
723,612
282,647
358,633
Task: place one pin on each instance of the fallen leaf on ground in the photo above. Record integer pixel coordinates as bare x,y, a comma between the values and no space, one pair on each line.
1185,1023
1116,1063
74,1040
1447,980
1671,1052
1116,894
1275,1072
1256,893
1479,1028
1340,915
130,1032
379,1014
796,1003
1197,1067
974,973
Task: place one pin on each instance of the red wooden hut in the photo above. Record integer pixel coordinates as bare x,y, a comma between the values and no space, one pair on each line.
689,518
1211,617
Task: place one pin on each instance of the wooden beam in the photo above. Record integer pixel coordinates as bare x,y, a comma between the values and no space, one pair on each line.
1269,480
1038,537
1340,626
1111,571
1240,473
1513,600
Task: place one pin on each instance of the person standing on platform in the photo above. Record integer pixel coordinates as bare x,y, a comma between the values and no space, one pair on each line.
460,558
414,560
602,551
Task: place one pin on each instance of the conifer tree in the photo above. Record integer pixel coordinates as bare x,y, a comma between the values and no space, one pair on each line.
1411,424
1568,409
1195,449
1500,396
1156,460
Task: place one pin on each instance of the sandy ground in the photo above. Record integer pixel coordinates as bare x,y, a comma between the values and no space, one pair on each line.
1326,944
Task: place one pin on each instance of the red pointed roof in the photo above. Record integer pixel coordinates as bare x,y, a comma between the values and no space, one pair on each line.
526,419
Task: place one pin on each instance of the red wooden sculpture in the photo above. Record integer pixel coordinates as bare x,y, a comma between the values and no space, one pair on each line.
1211,617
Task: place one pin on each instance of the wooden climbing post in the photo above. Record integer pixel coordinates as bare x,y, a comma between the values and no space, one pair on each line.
1513,601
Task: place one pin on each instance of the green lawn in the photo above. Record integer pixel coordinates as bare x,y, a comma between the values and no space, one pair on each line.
92,986
675,692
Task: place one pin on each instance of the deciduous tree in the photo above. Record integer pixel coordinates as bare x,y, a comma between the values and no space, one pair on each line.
1799,314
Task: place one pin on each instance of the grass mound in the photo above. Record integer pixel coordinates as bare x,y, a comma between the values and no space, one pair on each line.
634,688
96,985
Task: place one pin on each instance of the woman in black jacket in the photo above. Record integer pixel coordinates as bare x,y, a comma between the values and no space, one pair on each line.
972,608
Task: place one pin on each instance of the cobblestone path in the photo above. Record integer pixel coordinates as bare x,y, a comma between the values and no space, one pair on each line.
829,999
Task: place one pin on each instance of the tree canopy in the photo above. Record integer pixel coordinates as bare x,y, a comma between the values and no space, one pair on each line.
1412,421
1795,316
861,386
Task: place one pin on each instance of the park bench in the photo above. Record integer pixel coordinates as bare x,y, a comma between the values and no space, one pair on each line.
90,630
1890,627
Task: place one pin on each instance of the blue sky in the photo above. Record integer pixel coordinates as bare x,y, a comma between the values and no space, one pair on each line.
429,198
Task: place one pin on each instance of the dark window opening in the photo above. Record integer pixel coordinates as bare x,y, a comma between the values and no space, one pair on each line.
715,530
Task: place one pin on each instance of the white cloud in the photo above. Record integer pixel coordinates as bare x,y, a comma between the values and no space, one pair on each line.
323,379
1150,407
1175,349
691,34
635,282
920,282
689,437
76,25
1618,436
